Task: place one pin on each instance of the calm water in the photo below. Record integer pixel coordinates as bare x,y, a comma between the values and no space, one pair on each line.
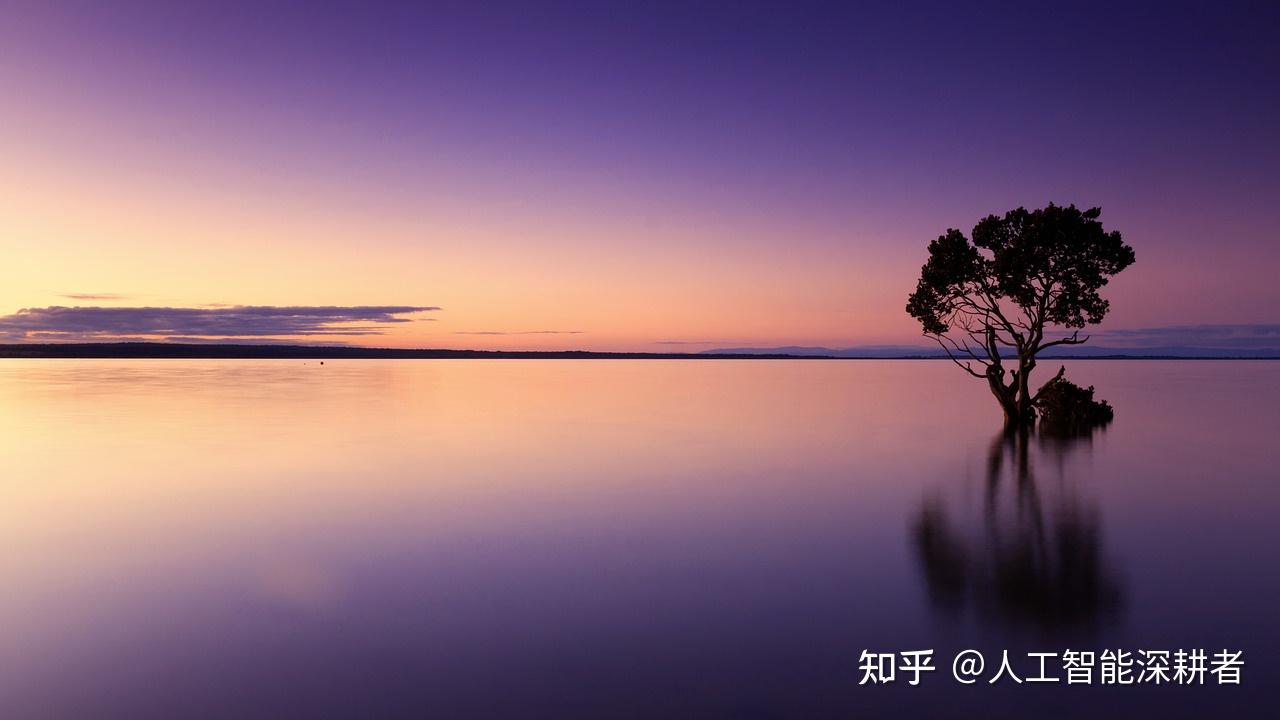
614,539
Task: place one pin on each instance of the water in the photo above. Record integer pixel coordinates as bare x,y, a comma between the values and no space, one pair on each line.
616,538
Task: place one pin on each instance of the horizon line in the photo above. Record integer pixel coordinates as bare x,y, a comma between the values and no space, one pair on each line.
134,349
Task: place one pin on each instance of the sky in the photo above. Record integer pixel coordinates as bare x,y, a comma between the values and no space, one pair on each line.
614,176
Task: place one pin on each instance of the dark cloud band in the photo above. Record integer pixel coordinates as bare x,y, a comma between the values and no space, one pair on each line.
1241,336
242,321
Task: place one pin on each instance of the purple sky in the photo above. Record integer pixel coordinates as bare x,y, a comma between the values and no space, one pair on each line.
718,173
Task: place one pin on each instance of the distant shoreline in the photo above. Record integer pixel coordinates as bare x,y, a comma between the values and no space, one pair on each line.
236,351
227,351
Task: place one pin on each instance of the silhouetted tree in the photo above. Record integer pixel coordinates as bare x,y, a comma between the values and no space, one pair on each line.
991,298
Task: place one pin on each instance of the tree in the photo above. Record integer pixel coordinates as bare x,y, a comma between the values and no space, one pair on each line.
989,299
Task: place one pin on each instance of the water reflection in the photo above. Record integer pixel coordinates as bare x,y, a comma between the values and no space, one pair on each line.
611,538
1032,554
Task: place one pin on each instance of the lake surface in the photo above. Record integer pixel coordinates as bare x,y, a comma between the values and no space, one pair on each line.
612,538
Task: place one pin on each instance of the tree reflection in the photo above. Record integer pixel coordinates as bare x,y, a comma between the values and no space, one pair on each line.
1031,555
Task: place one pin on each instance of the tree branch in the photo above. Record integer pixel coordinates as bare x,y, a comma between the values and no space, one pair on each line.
1061,371
1073,340
963,365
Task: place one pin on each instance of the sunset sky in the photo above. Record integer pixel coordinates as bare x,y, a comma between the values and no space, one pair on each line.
638,177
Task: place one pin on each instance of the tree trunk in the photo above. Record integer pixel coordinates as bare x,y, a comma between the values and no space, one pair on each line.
1026,413
1018,415
1007,396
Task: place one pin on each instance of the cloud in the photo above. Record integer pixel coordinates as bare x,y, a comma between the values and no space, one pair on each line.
1221,336
89,297
518,332
238,321
684,342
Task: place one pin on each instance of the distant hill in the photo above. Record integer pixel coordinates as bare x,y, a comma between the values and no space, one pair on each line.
893,352
888,352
